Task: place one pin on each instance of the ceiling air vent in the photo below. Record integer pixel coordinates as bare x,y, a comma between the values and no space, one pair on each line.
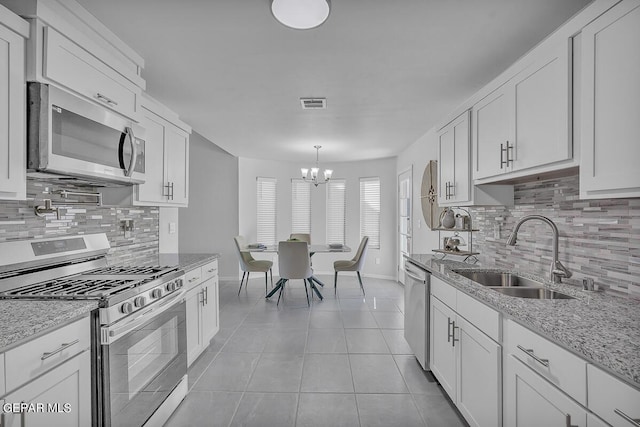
313,103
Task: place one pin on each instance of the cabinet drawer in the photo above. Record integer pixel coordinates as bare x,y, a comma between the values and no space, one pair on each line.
193,277
35,357
611,399
479,315
559,366
444,292
210,270
70,65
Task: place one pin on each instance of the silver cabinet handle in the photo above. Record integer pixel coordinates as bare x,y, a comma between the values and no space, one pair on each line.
201,293
211,271
502,151
193,279
509,150
452,192
449,331
206,296
633,421
529,351
100,97
63,347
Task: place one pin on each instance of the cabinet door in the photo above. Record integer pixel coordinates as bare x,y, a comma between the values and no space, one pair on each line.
542,111
194,324
454,141
443,361
479,376
153,189
210,310
67,389
492,118
531,401
177,161
13,183
610,128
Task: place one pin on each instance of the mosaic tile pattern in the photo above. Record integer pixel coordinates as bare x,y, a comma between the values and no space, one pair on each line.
599,239
18,222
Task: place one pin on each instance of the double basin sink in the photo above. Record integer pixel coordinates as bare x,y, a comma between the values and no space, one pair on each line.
512,285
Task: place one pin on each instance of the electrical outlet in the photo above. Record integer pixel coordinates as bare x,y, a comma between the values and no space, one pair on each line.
172,228
377,260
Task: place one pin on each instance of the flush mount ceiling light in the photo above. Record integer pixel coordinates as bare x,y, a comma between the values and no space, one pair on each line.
314,171
301,14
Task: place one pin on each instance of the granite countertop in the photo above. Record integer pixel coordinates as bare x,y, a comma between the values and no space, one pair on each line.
603,329
22,319
183,260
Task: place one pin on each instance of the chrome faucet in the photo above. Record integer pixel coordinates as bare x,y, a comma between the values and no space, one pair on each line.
557,271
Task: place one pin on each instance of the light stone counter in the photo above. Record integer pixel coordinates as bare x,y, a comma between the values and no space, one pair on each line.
603,329
22,320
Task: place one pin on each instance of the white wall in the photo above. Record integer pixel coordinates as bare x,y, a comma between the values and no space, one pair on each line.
418,155
211,220
249,169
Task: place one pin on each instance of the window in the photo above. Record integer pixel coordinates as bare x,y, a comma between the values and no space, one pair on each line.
300,206
336,218
370,210
266,211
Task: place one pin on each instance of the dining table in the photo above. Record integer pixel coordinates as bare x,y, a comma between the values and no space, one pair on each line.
313,249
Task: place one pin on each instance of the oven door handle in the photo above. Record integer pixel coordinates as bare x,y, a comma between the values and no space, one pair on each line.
109,335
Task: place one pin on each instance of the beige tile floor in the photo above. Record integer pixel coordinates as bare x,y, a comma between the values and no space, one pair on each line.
341,362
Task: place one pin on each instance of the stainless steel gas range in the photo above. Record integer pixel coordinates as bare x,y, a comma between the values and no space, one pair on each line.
138,331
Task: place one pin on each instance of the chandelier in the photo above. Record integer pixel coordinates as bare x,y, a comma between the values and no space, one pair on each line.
301,14
314,171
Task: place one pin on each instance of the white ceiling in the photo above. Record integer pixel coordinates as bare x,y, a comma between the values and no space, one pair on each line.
390,70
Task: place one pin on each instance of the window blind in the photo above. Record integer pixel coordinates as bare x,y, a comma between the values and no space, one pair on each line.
336,217
266,210
370,210
300,206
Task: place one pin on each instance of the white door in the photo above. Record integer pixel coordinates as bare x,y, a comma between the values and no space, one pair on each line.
443,352
405,192
610,128
492,118
479,376
531,401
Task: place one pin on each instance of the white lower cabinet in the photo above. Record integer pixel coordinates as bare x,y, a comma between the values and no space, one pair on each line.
531,401
203,317
467,363
50,374
64,392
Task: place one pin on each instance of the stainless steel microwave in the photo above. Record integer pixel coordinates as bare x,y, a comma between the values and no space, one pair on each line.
74,139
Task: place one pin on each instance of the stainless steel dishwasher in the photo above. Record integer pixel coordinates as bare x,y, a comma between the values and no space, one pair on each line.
416,311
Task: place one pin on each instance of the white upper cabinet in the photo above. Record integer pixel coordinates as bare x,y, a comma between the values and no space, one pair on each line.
542,111
70,48
454,146
13,181
523,126
492,133
610,104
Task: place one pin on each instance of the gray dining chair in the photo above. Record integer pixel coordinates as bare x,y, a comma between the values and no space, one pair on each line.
304,237
354,264
249,264
294,264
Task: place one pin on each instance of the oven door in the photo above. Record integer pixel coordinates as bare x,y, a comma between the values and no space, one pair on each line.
143,363
73,137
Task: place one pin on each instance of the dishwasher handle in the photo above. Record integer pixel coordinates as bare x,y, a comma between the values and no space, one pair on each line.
420,276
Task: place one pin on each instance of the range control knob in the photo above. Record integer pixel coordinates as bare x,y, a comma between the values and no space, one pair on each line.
179,283
157,293
171,286
140,301
126,308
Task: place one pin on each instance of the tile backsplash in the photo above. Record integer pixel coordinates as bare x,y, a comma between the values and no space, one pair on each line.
18,221
599,239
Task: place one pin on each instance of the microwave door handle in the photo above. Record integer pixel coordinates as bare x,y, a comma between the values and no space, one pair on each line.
134,152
